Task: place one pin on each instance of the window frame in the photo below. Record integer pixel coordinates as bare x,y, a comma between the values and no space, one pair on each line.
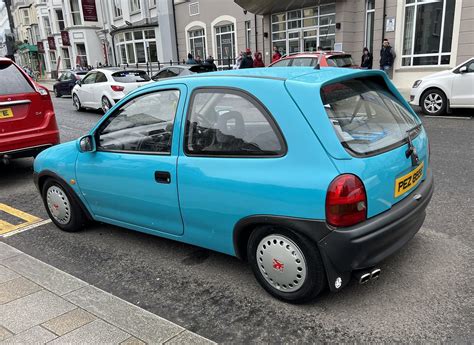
250,98
102,125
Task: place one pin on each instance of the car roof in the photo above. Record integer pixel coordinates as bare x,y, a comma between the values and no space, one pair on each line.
112,70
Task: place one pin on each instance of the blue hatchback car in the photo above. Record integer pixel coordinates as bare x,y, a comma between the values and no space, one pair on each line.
312,175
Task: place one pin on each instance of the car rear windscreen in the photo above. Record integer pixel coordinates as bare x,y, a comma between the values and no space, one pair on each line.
12,81
340,61
366,116
131,76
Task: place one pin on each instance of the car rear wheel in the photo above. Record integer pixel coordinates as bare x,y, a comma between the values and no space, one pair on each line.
286,264
56,93
106,105
76,102
433,102
62,208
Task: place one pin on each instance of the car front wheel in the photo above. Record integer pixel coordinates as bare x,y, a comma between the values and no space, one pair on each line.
286,264
62,208
433,102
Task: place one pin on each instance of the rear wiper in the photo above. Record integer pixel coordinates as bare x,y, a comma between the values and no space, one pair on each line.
411,148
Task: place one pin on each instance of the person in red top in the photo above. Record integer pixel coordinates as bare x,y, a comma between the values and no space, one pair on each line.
276,54
258,61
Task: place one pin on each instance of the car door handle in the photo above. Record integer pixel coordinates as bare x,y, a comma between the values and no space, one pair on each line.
162,177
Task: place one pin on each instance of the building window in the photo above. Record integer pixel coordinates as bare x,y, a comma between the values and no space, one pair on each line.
194,8
304,29
134,5
117,8
197,43
137,47
52,57
75,12
60,19
369,24
66,58
152,3
428,32
225,43
26,17
248,33
47,26
81,55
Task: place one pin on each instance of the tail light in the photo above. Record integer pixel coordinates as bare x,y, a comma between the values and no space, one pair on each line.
346,201
117,88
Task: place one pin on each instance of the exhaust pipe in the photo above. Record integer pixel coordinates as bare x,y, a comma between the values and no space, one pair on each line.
363,276
375,274
6,159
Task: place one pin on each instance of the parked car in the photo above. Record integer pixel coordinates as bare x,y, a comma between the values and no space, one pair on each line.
439,92
327,59
102,88
181,70
320,179
66,82
27,121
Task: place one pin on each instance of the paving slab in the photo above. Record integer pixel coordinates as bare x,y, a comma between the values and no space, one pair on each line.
4,333
7,274
95,332
32,310
17,288
43,274
7,251
69,321
134,320
188,337
132,341
32,336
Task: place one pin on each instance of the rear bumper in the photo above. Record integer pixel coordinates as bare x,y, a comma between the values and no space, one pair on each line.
367,244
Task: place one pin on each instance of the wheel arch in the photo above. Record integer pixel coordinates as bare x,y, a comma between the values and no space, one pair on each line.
313,229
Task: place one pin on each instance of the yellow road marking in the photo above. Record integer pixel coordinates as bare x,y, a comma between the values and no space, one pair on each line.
6,227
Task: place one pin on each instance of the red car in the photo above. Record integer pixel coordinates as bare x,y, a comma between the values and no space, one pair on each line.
27,121
328,59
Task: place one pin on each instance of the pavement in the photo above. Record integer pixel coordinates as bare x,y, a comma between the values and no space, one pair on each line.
423,295
41,304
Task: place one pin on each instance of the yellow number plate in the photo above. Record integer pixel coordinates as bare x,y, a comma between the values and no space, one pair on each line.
406,182
6,113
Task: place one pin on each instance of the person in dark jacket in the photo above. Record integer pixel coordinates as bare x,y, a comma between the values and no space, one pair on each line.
247,61
387,56
258,61
210,63
190,60
366,59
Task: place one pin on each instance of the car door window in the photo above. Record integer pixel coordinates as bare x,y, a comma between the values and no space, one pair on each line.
282,63
89,79
230,123
144,124
302,62
470,67
63,77
100,78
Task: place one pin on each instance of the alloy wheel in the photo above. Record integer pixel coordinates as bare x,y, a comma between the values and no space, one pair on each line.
433,102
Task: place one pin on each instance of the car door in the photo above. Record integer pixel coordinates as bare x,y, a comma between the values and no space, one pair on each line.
85,89
131,178
462,94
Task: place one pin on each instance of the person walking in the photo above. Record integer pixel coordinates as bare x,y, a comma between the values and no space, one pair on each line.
367,59
190,60
387,55
276,54
258,61
247,61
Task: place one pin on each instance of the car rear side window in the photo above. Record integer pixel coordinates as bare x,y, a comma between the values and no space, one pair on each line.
340,61
130,76
227,122
303,62
13,81
365,115
282,63
144,124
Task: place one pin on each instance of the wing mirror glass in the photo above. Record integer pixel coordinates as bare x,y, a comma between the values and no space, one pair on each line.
78,82
463,69
86,144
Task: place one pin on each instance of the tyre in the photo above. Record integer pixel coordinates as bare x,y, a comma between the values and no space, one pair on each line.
62,208
433,102
56,93
76,102
105,104
286,264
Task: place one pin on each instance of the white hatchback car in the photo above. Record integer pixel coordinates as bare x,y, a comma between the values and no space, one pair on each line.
102,88
441,91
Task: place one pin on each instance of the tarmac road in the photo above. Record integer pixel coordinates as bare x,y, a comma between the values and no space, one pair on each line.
424,292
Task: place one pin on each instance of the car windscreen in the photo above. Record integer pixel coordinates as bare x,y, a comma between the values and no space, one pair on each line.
12,81
340,61
130,76
366,116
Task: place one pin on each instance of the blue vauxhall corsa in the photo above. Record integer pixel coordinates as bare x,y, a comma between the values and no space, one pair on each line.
312,175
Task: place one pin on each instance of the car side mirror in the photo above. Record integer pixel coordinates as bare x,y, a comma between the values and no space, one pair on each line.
463,69
86,144
78,82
